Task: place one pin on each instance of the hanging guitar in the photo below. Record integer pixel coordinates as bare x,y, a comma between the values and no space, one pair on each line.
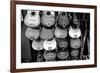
49,55
49,44
63,19
32,18
74,31
75,43
39,57
32,33
74,54
37,44
46,34
76,21
48,18
62,43
60,33
63,54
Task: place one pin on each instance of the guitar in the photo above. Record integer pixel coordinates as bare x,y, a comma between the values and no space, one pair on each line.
74,52
63,19
46,34
32,33
75,43
74,32
39,57
37,45
48,19
32,18
60,33
63,54
49,55
62,43
75,20
49,44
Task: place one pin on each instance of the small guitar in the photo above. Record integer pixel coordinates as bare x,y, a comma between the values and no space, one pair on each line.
49,44
37,45
75,43
62,43
74,52
75,20
49,55
63,19
32,18
48,18
74,32
60,33
32,33
63,54
46,34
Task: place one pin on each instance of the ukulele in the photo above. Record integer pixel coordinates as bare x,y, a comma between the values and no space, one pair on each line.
48,19
74,52
37,44
74,32
46,34
63,19
75,20
60,33
49,55
39,57
62,43
75,43
49,44
63,54
32,18
32,33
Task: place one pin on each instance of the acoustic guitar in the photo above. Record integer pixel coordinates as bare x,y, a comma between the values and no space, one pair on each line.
46,34
62,43
74,52
75,43
63,54
32,18
74,32
76,21
63,19
49,44
32,33
60,33
37,44
48,18
49,55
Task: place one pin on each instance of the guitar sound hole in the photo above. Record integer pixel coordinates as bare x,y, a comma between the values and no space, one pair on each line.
32,13
48,13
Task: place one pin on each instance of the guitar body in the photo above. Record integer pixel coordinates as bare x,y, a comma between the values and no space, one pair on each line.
75,20
63,54
74,33
75,43
74,52
49,45
49,55
48,19
32,18
62,43
60,33
46,34
37,45
32,33
63,19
